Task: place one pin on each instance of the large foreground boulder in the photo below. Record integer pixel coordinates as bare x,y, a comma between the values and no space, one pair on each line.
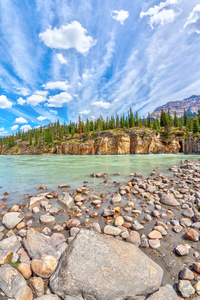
98,267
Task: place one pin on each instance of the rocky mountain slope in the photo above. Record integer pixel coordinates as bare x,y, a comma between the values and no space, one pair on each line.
191,104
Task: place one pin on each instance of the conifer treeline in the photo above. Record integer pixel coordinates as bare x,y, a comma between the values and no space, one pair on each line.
56,132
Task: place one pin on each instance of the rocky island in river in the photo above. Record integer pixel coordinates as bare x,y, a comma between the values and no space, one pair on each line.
137,241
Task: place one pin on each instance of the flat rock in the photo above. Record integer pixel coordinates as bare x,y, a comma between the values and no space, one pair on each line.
182,250
164,293
185,288
11,281
11,244
24,293
168,199
104,262
65,200
154,243
49,297
47,219
11,219
37,244
111,230
186,274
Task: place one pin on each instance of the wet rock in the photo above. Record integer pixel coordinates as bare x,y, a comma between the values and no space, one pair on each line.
45,266
65,200
185,288
37,285
111,230
108,260
11,281
154,243
72,223
186,274
168,199
182,250
116,199
47,219
192,235
137,226
164,293
196,267
58,238
188,213
119,221
11,219
24,294
38,244
155,235
134,238
25,270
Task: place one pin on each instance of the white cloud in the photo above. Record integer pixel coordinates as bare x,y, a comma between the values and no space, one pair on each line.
23,91
68,36
37,98
56,85
2,129
86,75
21,101
101,104
21,120
61,59
159,15
85,112
59,99
193,21
13,128
4,102
52,111
119,15
41,118
25,128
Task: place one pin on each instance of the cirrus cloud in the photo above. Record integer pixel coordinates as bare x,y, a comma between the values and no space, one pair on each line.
193,21
68,36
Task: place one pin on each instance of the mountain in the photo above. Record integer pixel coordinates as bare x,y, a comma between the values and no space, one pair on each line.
191,104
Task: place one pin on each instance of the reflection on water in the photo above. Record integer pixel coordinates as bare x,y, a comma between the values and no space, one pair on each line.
22,173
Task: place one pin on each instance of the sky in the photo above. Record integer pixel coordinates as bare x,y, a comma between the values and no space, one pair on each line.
62,58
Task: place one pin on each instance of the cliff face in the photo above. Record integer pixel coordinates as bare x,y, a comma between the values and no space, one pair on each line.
192,145
133,142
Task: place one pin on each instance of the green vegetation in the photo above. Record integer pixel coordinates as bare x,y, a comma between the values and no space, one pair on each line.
57,133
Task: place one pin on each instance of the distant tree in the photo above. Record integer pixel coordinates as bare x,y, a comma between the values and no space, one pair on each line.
136,119
79,125
149,121
195,125
176,120
185,118
162,118
131,118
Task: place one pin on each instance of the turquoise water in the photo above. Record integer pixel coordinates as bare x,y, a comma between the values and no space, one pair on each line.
24,173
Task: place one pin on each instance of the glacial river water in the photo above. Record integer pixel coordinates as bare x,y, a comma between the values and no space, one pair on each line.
23,174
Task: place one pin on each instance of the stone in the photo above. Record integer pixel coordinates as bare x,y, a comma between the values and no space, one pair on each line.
11,281
116,199
35,201
164,293
188,213
24,258
182,250
111,230
197,287
5,256
11,244
168,199
185,288
37,244
35,210
96,227
11,219
186,274
37,285
24,294
119,221
47,219
25,270
65,200
72,223
185,222
177,228
108,212
108,261
52,297
134,238
155,235
161,229
196,267
62,247
154,243
192,235
45,266
58,238
73,231
137,226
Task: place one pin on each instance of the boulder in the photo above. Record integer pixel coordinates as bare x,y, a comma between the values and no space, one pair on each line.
11,244
164,293
168,199
37,244
11,219
65,200
104,262
11,281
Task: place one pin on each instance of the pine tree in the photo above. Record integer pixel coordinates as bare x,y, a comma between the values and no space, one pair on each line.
131,118
176,120
195,125
185,118
149,121
79,125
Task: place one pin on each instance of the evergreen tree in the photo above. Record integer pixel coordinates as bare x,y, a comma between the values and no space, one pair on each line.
79,125
185,118
195,125
131,118
176,120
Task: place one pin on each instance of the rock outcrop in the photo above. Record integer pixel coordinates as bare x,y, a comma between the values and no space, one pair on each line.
98,267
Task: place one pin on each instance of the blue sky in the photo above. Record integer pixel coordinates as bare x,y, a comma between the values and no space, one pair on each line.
62,58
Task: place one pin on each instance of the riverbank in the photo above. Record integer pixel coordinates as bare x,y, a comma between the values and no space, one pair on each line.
158,214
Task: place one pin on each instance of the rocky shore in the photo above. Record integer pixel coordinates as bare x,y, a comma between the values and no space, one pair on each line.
134,242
